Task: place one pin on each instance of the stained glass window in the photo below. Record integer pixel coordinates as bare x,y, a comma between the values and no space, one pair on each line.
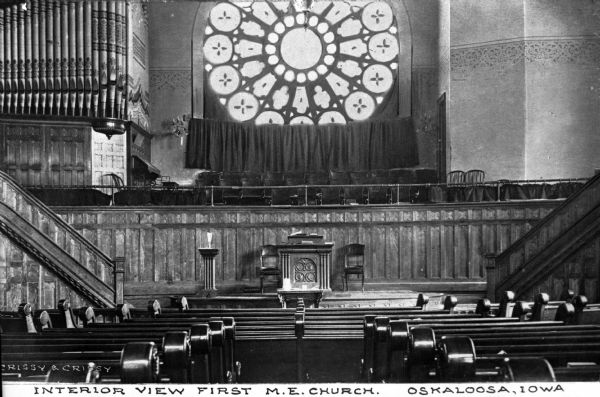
273,63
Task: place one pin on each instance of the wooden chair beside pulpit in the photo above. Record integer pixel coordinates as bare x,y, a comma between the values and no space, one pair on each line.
269,265
354,263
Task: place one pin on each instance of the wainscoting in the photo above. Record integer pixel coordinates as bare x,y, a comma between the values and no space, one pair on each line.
418,247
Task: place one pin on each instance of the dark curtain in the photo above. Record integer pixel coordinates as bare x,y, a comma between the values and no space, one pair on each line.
228,146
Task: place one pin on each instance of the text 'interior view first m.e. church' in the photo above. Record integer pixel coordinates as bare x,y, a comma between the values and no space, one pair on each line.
299,191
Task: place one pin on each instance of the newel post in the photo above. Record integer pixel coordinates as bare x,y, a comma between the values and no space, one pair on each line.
119,274
490,267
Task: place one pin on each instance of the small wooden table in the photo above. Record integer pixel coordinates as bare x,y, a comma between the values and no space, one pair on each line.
311,297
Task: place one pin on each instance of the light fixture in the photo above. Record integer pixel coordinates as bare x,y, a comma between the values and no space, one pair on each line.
110,127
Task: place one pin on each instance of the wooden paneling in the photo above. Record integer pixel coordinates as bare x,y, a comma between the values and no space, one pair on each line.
22,279
27,223
537,250
580,273
403,243
41,153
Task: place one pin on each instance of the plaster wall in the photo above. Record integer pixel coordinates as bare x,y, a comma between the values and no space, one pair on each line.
443,54
487,84
424,21
524,97
562,79
170,41
170,81
444,68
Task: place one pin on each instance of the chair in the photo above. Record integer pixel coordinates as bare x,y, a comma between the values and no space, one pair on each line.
359,193
455,185
474,176
255,194
116,185
269,259
336,194
380,194
354,262
275,196
402,176
233,193
456,177
475,190
202,182
296,192
314,179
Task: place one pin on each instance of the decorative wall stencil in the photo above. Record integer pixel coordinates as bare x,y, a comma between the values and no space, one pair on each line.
139,50
138,79
583,51
139,103
275,63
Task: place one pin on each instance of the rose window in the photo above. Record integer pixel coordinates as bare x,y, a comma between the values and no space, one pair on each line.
271,63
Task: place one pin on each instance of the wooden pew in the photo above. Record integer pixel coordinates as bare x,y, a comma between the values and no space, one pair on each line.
173,349
390,339
136,362
257,332
182,358
579,312
462,358
20,321
414,348
224,367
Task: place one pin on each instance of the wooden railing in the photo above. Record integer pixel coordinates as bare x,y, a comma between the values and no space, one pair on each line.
560,234
41,231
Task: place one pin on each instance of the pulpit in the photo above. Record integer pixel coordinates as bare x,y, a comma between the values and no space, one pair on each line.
306,260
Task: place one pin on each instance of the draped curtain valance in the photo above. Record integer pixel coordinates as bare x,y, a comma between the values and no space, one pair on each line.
228,146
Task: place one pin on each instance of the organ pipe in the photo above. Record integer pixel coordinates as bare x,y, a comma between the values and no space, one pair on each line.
2,61
64,57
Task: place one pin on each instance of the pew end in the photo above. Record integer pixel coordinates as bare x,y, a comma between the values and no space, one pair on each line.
140,363
422,301
507,304
484,308
154,308
450,303
176,356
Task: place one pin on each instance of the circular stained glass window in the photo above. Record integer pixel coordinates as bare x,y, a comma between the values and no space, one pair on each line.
274,64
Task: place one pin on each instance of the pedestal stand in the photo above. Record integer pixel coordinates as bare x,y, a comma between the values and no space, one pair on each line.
208,259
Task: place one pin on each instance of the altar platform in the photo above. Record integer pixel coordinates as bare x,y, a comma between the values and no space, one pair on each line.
330,299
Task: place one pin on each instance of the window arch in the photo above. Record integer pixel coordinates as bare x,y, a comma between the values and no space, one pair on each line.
352,53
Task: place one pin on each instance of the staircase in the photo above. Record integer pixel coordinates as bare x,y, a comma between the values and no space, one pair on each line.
45,236
560,239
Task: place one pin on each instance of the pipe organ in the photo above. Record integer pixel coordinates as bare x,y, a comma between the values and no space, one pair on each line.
64,58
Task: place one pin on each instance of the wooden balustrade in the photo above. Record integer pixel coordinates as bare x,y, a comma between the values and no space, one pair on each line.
23,211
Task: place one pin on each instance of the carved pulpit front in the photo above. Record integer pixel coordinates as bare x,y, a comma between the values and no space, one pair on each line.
306,261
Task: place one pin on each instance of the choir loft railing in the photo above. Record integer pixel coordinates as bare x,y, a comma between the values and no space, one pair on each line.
357,194
64,57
